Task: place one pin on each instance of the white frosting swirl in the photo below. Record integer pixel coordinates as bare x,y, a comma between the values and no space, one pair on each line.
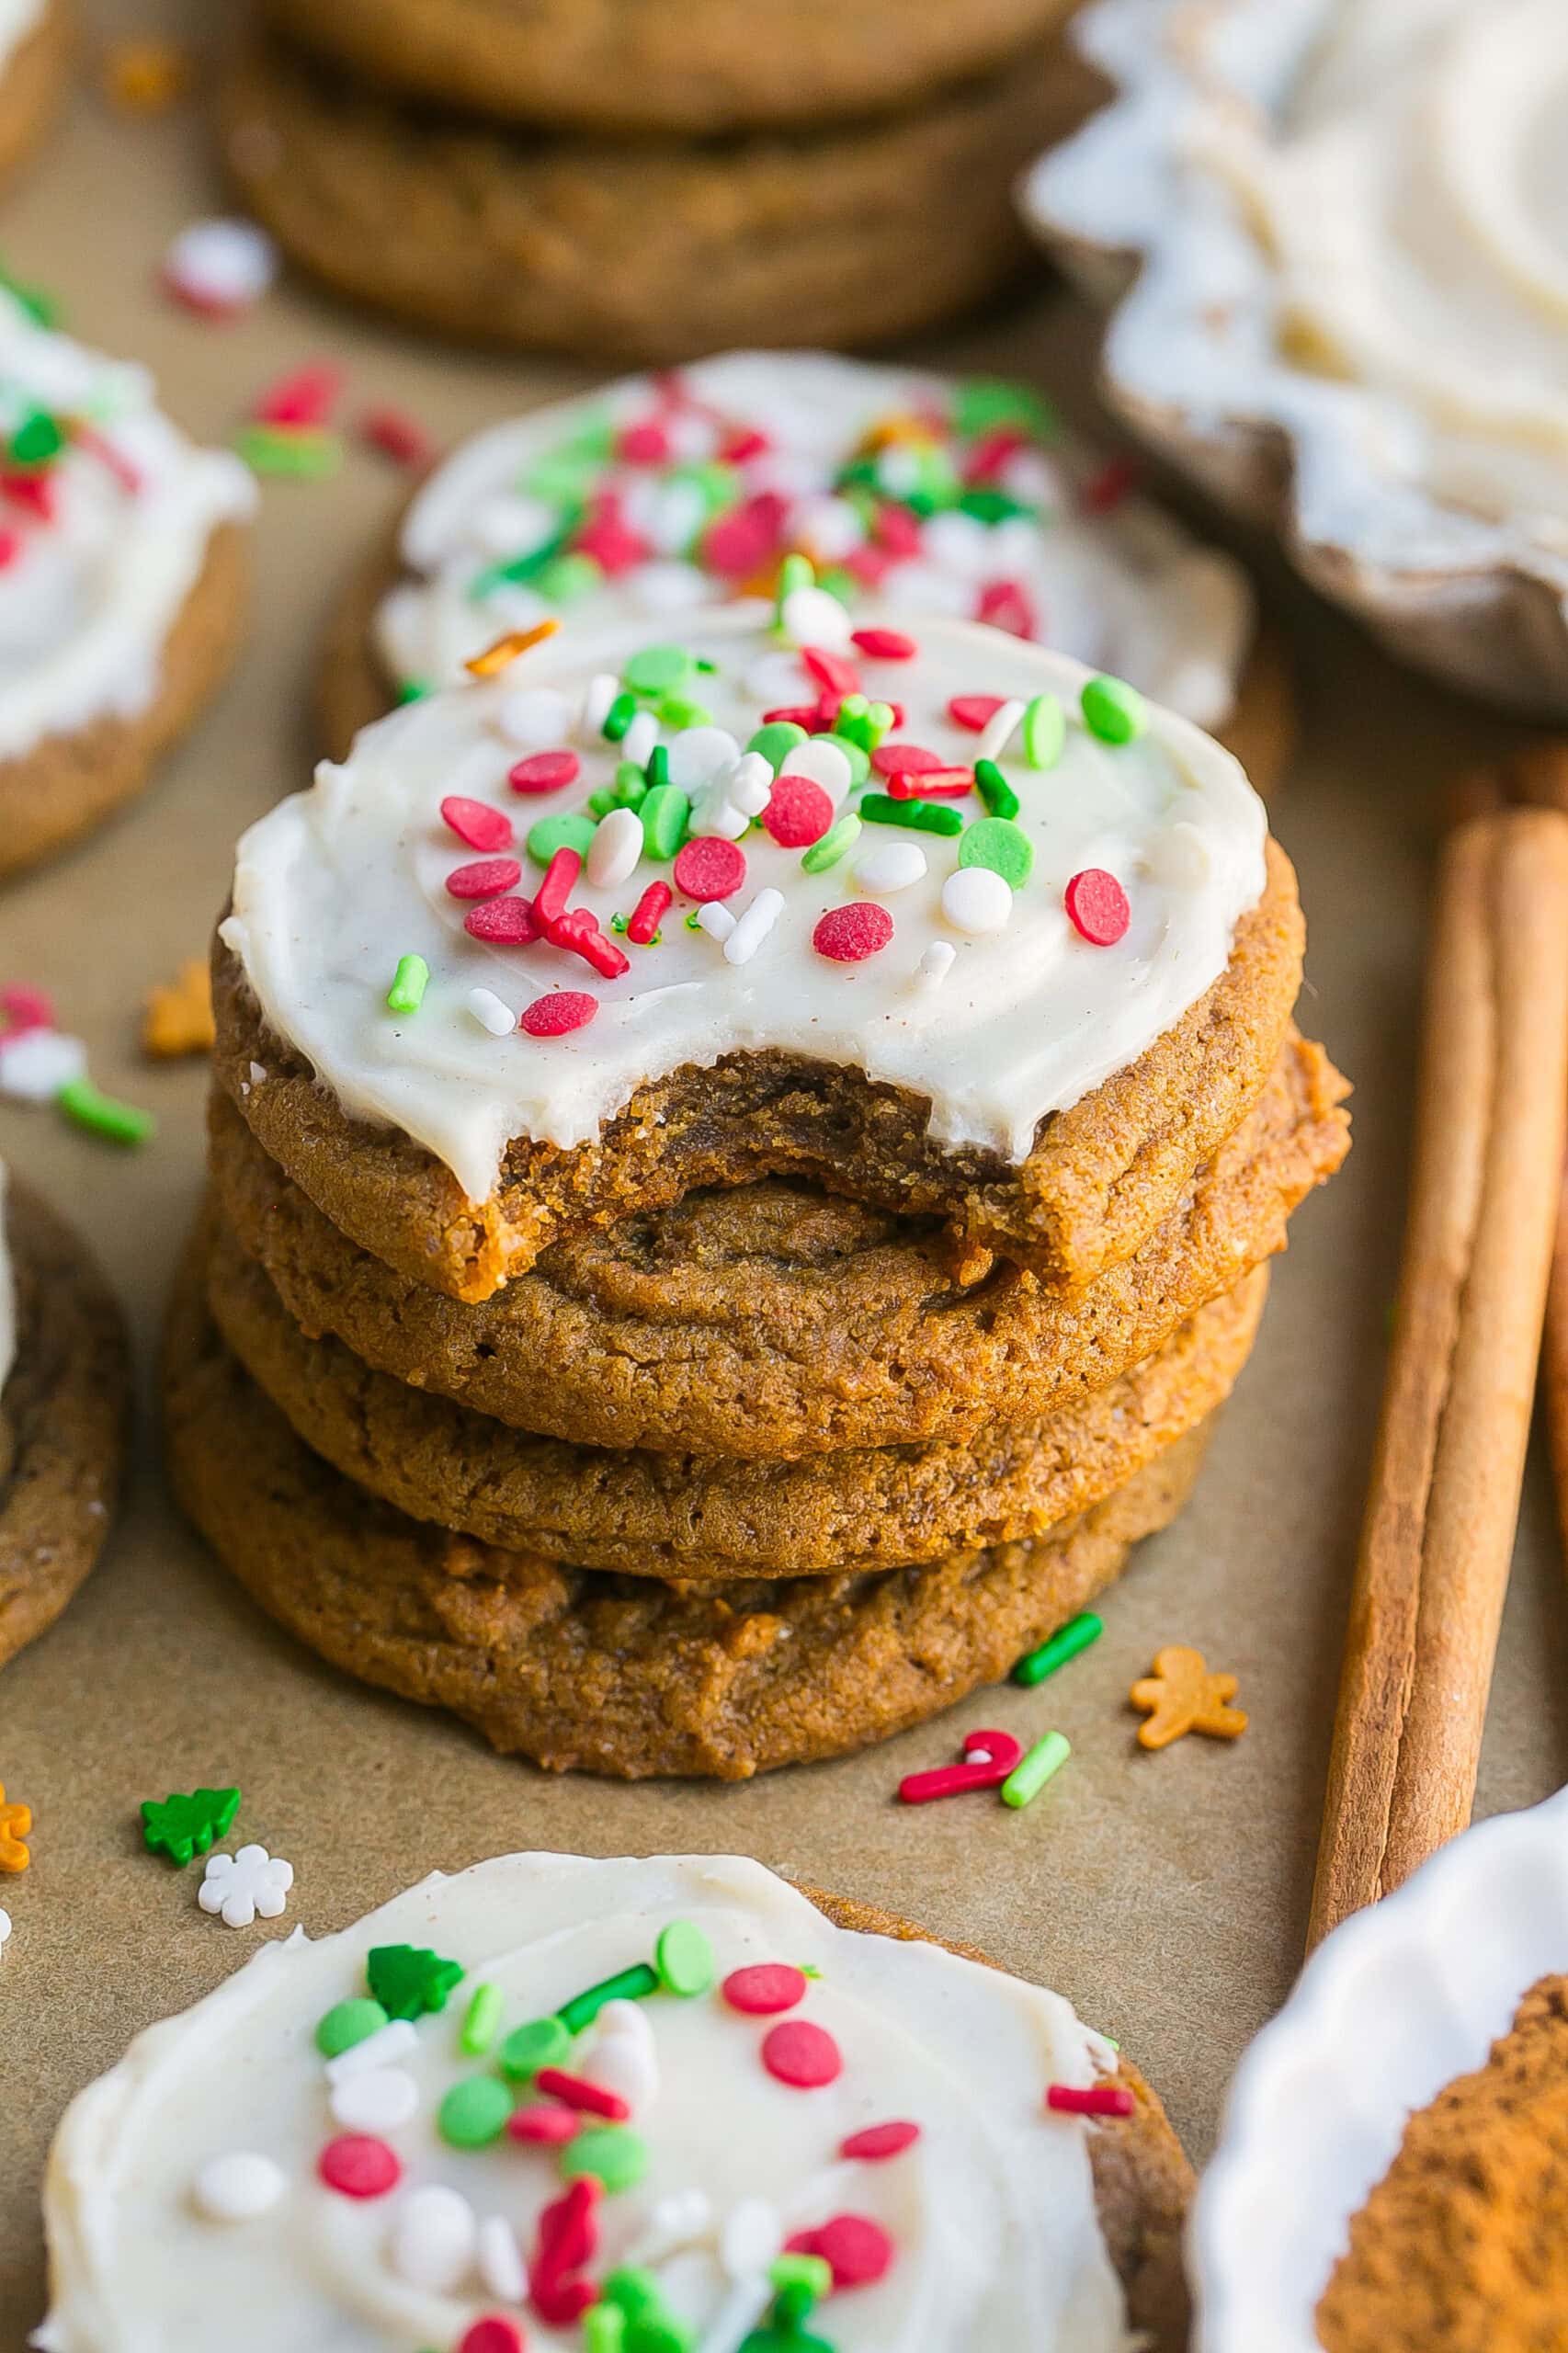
90,589
991,2213
334,886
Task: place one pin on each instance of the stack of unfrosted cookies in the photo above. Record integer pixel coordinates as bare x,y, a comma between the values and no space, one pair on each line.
656,177
740,1169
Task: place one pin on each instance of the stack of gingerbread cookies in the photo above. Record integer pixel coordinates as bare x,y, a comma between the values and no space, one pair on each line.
652,178
741,1170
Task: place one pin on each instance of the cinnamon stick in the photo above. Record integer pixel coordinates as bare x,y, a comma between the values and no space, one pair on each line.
1438,1537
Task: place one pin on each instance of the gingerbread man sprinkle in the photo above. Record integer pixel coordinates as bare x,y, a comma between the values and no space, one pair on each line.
177,1016
1181,1696
16,1820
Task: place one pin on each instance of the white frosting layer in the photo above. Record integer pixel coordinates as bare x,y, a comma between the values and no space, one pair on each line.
1127,591
17,20
89,591
334,886
991,2213
8,1295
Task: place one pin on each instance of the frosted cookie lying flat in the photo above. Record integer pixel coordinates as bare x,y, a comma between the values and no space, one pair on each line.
938,918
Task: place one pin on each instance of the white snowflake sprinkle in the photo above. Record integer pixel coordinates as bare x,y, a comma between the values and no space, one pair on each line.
243,1886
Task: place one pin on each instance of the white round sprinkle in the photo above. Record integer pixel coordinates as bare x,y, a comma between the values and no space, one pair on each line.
715,919
977,901
536,719
501,2261
36,1064
599,695
677,2219
750,788
668,587
383,2049
961,543
491,1014
435,2237
615,850
378,2100
811,617
828,525
510,525
891,866
701,755
751,2237
640,738
998,731
825,764
753,927
237,2187
223,264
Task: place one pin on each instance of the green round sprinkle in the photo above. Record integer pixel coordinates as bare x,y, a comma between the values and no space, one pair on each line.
777,741
104,1114
1044,731
612,2154
995,793
1066,1643
347,2023
37,439
632,2291
410,980
573,829
916,816
307,452
856,754
483,2022
618,717
659,670
666,813
835,844
626,1986
601,802
474,2112
684,1958
543,2042
679,710
631,783
1113,710
568,577
1005,848
1029,1776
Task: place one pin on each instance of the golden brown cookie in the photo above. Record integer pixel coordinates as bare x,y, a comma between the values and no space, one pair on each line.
33,82
658,250
64,1420
622,1676
673,1515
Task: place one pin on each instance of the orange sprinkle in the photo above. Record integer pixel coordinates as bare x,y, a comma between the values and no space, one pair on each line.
16,1820
146,76
506,649
888,430
176,1018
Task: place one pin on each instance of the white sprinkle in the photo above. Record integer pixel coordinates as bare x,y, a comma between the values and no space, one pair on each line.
825,764
936,964
977,901
434,2239
737,2315
223,264
4,1926
624,2057
775,678
237,2187
37,1063
751,2237
257,1074
245,1884
673,518
716,815
378,2100
701,755
715,919
640,738
615,850
491,1014
998,731
888,867
753,927
677,2220
510,525
810,616
751,786
691,436
828,525
500,2261
602,690
668,587
961,543
388,2044
534,719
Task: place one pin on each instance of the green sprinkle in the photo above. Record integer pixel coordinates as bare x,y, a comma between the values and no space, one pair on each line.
543,2042
612,2154
659,2332
1113,710
414,690
795,572
691,922
104,1114
632,2291
1045,730
659,670
1066,1643
604,2329
347,2023
986,404
799,2281
835,844
665,814
679,710
632,783
302,452
565,477
995,790
915,816
856,754
862,723
617,923
410,981
601,802
483,2022
408,1979
777,741
568,577
992,506
519,571
627,1985
997,842
1029,1776
573,829
684,1958
619,716
658,768
41,307
474,2112
37,439
182,1825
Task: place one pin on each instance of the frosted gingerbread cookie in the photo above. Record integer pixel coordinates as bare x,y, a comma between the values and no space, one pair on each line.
121,583
672,2104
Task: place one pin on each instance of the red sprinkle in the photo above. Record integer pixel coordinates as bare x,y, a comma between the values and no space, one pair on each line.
555,1016
550,899
747,539
992,452
931,784
475,823
848,934
11,545
505,922
568,2235
879,2140
798,812
35,492
546,2123
800,2053
856,2249
1104,491
710,868
577,2091
765,1988
493,2333
647,914
486,878
397,436
1103,2099
831,670
612,544
897,529
544,772
643,445
743,442
884,644
359,2165
305,397
98,445
561,2303
1097,906
869,566
25,1009
578,932
1006,605
905,759
797,714
975,712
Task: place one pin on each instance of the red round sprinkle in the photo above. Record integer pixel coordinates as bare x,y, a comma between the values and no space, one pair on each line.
975,712
305,397
555,1016
643,445
897,529
544,772
396,435
766,1987
493,2333
505,922
848,934
475,823
359,2165
856,2249
879,2140
799,811
802,2054
1097,906
710,868
577,2091
831,670
884,644
25,1009
905,759
1100,2099
485,879
546,2123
